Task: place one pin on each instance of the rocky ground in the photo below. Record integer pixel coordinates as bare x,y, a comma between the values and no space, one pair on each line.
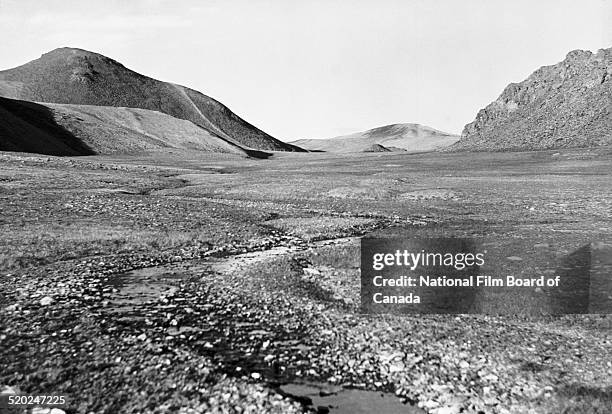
233,286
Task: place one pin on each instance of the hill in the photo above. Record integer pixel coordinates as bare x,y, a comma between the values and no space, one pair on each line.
568,104
395,137
58,129
75,76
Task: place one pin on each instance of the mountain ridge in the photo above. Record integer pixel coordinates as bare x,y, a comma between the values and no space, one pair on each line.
77,76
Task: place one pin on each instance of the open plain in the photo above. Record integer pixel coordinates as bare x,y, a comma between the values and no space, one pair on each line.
180,281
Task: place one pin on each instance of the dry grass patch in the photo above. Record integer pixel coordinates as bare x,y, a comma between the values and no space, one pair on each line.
318,228
47,244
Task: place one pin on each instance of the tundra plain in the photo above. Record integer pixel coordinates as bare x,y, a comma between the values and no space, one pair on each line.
180,281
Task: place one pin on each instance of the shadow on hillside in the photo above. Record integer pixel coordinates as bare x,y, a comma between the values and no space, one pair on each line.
257,153
30,127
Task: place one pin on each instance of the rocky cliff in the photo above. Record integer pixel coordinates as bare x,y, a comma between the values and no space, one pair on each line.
564,105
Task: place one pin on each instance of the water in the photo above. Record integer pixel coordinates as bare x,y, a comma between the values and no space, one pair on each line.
142,286
338,400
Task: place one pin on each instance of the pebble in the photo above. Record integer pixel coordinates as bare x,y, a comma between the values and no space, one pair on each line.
47,410
309,271
448,409
6,390
46,301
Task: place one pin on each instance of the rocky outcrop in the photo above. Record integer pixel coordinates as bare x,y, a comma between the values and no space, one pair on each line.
560,106
376,148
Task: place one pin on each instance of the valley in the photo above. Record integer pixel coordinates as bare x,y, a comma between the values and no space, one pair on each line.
188,281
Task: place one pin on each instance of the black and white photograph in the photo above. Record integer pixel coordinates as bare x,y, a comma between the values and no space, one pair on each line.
306,207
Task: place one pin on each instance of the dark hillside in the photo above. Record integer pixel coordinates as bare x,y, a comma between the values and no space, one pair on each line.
75,76
61,129
30,127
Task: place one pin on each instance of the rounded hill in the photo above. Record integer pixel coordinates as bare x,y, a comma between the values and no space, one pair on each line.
76,76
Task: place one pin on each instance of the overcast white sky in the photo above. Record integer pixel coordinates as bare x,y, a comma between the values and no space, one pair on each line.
320,68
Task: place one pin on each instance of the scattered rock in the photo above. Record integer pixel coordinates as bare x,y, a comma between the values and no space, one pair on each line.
46,301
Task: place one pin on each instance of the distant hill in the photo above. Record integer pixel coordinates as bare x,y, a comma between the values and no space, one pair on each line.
376,148
75,76
395,137
560,106
58,129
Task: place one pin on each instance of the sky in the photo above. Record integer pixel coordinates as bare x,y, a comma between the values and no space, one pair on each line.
320,68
